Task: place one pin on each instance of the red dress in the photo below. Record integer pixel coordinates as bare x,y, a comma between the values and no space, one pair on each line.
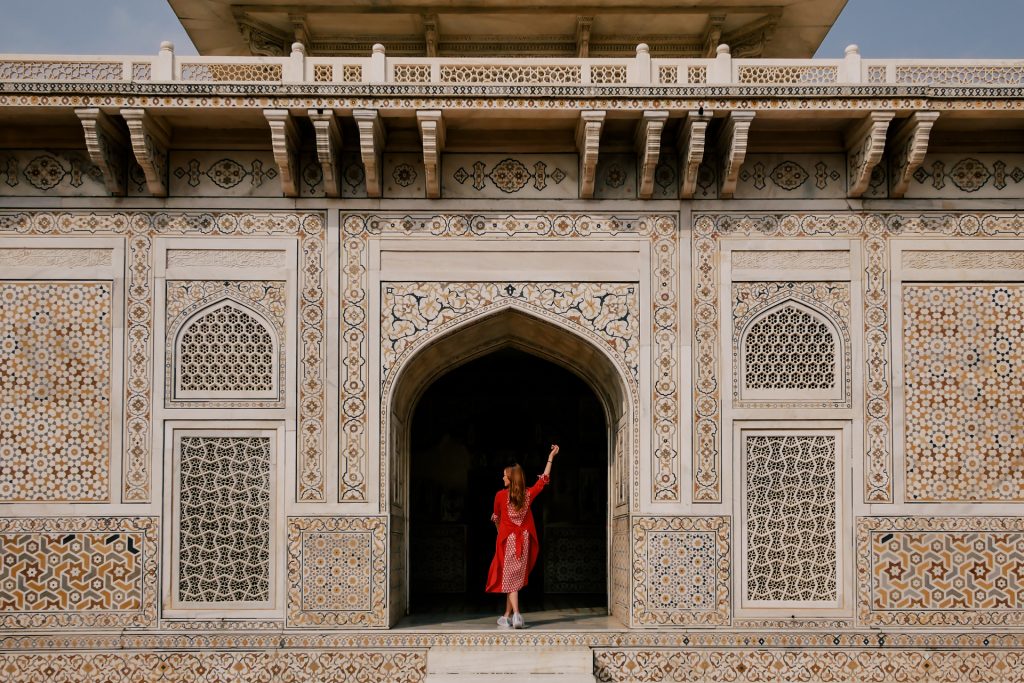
516,550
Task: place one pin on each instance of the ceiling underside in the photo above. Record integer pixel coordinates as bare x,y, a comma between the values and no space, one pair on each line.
487,28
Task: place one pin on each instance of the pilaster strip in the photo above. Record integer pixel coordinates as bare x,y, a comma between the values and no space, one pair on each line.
371,147
328,148
284,140
648,146
149,139
864,150
910,146
588,141
692,142
432,132
106,147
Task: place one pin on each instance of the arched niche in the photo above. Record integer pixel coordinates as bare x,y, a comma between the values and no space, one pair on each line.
792,352
509,327
226,351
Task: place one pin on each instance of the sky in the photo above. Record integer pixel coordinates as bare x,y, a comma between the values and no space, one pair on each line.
949,29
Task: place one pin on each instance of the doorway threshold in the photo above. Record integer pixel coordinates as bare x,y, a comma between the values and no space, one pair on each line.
565,620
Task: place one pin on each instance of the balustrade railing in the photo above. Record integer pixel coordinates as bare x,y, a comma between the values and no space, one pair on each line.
631,71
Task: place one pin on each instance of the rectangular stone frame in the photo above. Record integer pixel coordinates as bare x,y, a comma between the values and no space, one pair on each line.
843,606
359,229
983,271
171,607
72,258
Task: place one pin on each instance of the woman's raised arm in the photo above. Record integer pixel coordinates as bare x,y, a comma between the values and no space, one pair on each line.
551,458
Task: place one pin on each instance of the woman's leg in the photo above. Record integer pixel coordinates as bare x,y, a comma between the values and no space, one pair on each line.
513,598
508,606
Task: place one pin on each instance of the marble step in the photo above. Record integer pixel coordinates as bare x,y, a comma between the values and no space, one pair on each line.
510,665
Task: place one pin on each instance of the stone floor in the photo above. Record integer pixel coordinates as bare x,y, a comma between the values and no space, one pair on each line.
559,619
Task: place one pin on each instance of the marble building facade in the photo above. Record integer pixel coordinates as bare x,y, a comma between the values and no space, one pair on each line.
795,285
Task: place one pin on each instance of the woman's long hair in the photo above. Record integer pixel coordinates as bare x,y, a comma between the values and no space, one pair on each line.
516,486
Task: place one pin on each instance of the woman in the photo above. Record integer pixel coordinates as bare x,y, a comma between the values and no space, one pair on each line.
516,550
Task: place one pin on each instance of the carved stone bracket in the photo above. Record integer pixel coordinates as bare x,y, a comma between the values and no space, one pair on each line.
432,132
371,147
648,146
284,140
864,150
691,150
107,148
588,141
734,149
328,149
910,145
150,139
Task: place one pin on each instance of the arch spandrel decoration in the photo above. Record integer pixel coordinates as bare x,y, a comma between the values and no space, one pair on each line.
414,314
776,369
660,230
242,318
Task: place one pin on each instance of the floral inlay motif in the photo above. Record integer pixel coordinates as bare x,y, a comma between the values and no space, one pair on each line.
404,175
509,175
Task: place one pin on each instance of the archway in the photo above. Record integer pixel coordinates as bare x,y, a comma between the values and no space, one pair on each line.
500,345
506,406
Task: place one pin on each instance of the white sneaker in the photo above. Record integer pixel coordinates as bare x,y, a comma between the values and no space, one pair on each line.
503,622
517,621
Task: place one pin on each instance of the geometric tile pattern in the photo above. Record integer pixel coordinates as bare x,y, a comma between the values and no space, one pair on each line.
963,362
660,229
681,571
55,383
337,572
224,526
217,666
837,666
803,356
941,571
140,228
81,571
790,517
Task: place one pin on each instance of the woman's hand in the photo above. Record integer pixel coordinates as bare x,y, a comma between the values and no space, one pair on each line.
554,451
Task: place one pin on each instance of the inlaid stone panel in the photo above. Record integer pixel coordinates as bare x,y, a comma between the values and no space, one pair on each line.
50,173
80,571
940,571
216,666
963,355
337,571
55,391
681,570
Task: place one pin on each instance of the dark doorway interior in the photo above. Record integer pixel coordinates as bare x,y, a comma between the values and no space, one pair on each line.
507,406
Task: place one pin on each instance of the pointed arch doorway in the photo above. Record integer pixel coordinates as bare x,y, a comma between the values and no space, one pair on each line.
500,388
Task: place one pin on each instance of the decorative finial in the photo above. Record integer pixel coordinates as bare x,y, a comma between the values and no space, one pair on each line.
166,46
298,47
853,49
643,49
722,49
378,49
